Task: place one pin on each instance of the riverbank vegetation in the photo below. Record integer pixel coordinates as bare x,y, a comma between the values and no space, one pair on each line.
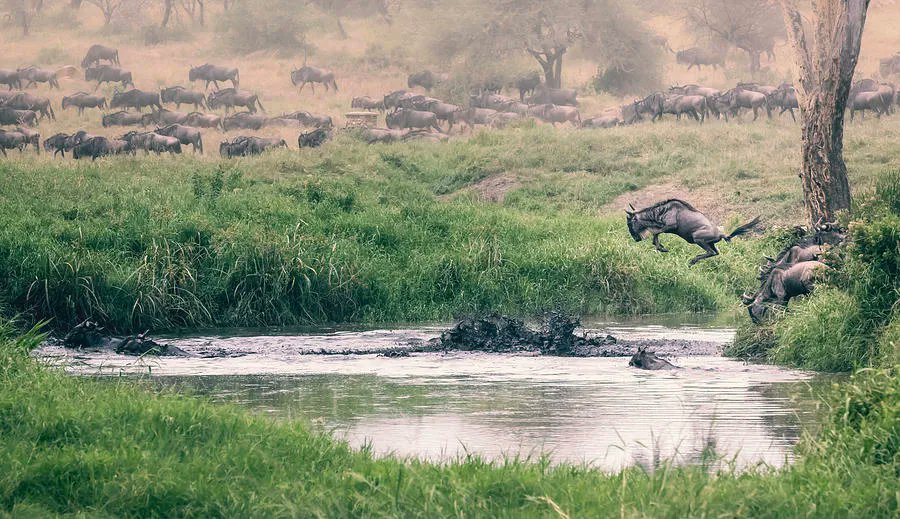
852,320
73,445
403,232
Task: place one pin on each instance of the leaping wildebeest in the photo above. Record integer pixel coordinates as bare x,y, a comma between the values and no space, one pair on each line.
675,216
213,74
313,75
100,52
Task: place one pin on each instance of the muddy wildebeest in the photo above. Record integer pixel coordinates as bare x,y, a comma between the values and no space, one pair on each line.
10,78
82,100
26,101
473,116
863,101
675,216
696,57
56,143
185,134
151,141
738,98
560,114
416,102
527,84
180,95
136,99
602,121
425,79
309,120
378,135
14,116
100,52
245,121
99,147
123,118
781,285
405,118
644,359
213,74
12,141
889,66
36,75
367,103
693,106
493,101
444,111
313,75
756,87
31,137
201,120
231,98
555,96
313,139
500,119
244,146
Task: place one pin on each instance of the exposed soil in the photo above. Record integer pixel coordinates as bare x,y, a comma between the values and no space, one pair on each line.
493,188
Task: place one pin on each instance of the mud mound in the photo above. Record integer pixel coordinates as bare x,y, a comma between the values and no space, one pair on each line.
500,334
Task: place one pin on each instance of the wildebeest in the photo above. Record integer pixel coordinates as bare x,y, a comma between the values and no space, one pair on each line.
77,138
244,146
82,100
887,91
313,139
151,141
31,137
37,75
123,118
180,95
692,106
392,100
675,216
862,101
14,116
100,52
738,98
26,101
493,101
108,74
785,97
444,111
499,119
57,144
697,57
244,121
555,96
644,359
12,141
782,284
425,79
185,134
201,120
230,98
136,99
602,121
313,75
889,66
367,103
527,84
99,147
11,79
166,117
213,74
405,118
756,87
559,114
473,116
309,120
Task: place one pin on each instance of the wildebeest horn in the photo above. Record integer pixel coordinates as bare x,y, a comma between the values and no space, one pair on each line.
770,259
746,298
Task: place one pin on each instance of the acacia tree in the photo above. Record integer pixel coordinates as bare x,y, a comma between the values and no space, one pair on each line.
826,63
107,7
23,12
750,25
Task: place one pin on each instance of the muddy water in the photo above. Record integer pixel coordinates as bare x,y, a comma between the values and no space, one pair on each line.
440,406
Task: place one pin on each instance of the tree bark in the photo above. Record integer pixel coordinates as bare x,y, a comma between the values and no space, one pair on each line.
825,76
550,61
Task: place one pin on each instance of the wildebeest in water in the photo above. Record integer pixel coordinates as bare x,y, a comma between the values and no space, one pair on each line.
675,216
781,285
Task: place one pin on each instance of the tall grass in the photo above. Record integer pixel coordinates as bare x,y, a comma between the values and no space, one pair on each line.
76,446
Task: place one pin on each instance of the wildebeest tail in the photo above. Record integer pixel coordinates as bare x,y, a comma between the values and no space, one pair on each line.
743,229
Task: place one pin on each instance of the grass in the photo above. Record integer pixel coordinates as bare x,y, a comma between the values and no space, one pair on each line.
74,446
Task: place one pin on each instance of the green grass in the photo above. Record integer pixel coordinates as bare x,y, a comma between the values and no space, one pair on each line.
77,447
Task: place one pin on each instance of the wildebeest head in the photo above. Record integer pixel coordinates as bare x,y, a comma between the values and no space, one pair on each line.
635,228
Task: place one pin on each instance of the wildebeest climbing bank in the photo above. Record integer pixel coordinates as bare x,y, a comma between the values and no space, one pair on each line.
464,258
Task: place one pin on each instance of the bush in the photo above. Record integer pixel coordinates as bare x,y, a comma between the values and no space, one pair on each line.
53,56
267,25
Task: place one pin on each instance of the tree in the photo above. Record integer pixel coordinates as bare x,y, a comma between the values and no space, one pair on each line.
750,25
23,12
107,7
825,64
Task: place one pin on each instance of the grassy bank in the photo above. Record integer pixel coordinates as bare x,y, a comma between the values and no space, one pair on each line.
852,319
76,446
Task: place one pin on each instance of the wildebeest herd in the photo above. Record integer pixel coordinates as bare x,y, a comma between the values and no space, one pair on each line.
408,115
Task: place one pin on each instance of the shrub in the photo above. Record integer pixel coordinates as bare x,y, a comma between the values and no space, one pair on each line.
53,56
267,25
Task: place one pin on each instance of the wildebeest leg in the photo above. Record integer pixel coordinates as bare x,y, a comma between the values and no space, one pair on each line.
658,245
710,249
301,87
755,112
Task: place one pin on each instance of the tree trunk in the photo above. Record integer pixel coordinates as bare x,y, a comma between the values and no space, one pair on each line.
167,12
754,61
202,12
825,76
340,27
551,63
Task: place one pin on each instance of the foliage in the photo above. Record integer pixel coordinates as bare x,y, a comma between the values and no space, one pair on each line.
266,25
750,25
81,446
